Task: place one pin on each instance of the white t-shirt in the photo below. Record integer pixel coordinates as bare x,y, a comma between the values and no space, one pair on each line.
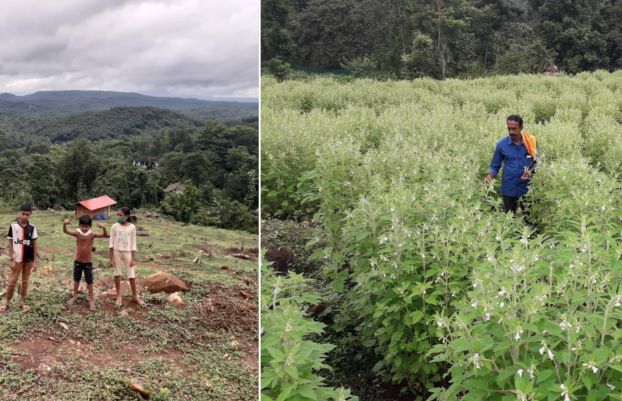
23,238
123,237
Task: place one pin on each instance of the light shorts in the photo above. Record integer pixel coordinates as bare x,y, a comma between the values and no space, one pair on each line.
123,257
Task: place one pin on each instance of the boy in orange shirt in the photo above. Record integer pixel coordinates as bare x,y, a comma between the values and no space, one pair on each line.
84,255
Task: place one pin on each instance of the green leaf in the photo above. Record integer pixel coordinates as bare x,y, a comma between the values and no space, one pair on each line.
307,391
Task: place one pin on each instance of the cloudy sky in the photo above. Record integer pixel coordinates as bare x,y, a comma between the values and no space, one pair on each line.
187,48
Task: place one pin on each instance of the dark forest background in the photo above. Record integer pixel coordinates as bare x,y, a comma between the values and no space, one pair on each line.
57,148
407,39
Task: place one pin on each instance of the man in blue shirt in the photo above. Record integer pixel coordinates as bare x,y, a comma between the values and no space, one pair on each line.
518,168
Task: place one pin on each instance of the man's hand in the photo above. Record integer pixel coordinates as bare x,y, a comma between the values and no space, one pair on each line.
110,262
101,225
132,263
34,265
526,175
66,221
12,264
488,179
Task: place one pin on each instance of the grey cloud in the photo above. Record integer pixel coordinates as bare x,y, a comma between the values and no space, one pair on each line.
194,48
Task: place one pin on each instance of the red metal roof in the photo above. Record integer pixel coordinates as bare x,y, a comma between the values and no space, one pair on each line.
98,203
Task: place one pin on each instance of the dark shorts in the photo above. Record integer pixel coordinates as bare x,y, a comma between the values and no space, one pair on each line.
88,271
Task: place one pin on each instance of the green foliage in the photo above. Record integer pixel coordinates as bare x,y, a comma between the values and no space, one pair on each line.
419,61
135,167
182,205
452,38
277,68
360,67
417,257
289,359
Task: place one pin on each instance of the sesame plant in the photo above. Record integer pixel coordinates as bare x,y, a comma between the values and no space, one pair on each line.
423,265
290,360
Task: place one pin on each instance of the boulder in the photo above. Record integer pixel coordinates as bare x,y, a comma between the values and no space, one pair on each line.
175,300
137,384
164,282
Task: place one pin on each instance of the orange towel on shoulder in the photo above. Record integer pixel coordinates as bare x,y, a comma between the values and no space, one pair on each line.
530,143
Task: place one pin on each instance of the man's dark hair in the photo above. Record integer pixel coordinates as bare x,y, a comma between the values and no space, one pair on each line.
26,208
125,210
517,118
85,220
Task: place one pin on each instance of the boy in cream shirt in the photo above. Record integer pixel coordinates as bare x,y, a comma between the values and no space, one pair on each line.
123,252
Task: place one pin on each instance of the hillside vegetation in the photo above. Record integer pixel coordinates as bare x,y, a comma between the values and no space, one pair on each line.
205,350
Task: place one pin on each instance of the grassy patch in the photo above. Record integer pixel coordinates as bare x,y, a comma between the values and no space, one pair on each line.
205,350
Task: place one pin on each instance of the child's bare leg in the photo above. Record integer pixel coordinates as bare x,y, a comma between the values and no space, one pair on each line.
135,296
74,296
117,286
91,297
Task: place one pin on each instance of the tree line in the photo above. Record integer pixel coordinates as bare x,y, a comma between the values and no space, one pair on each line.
216,165
441,38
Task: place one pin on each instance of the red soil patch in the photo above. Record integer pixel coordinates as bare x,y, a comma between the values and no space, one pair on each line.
43,354
226,308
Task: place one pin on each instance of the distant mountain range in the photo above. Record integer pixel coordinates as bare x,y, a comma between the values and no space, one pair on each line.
65,103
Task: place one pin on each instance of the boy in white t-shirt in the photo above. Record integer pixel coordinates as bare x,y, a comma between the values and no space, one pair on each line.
22,250
123,252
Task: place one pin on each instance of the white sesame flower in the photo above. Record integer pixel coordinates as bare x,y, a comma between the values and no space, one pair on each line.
520,372
532,370
498,238
502,292
565,392
519,331
591,365
487,316
550,354
611,386
477,361
502,304
524,241
564,325
546,349
474,304
491,258
517,268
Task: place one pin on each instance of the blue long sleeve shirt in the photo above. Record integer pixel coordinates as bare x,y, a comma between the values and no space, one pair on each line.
515,158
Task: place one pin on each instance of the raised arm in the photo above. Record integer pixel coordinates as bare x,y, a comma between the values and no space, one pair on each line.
104,234
65,223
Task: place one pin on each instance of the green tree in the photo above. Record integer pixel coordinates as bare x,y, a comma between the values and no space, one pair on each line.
183,206
79,169
43,181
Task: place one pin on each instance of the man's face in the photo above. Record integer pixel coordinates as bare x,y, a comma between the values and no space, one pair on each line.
84,228
24,216
514,129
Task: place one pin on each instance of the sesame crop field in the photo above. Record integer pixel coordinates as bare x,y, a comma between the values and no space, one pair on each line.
205,349
428,290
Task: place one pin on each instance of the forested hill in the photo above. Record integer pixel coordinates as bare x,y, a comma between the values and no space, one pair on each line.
114,123
441,38
64,103
132,154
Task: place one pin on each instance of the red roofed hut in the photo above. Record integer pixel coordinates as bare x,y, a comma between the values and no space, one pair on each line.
97,208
